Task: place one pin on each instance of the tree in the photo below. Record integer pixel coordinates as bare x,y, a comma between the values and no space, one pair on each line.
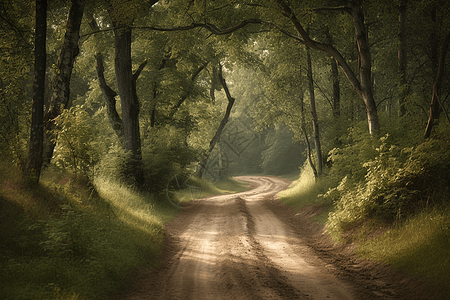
363,86
314,115
126,83
402,58
108,93
222,124
35,154
63,72
435,99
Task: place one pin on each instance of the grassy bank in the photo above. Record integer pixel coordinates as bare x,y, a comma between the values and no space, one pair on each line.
417,242
67,240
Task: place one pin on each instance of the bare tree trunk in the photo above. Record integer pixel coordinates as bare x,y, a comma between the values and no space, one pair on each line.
314,114
126,83
402,58
224,121
155,94
61,81
110,97
435,99
35,153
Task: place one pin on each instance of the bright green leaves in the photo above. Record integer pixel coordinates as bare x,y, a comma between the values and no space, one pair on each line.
75,150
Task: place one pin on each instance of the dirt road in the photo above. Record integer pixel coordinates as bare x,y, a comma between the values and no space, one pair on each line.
235,247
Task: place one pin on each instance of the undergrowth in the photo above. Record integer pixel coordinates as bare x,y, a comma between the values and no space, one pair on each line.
419,245
66,241
397,182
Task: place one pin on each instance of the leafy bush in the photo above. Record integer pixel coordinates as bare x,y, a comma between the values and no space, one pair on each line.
165,153
397,183
76,133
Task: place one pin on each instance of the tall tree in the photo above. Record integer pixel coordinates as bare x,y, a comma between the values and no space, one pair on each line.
122,19
402,58
363,86
222,124
108,93
305,133
315,121
336,93
35,153
436,104
61,81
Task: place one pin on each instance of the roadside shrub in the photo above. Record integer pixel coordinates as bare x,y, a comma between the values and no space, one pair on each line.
397,183
164,154
74,151
347,161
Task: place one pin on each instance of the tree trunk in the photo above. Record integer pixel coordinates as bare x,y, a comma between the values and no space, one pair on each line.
305,134
224,121
108,93
363,86
61,81
336,94
314,113
35,153
129,102
435,99
402,59
155,94
365,68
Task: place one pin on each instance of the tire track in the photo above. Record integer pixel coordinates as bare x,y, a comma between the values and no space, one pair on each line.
234,247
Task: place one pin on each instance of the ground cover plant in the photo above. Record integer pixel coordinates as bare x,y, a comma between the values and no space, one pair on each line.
402,187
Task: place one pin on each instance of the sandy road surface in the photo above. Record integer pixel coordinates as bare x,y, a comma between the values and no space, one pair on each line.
235,247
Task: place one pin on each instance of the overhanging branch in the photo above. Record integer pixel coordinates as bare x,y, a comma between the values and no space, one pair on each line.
208,26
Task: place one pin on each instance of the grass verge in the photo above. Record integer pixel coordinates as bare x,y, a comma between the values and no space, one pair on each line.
63,240
200,188
420,246
304,190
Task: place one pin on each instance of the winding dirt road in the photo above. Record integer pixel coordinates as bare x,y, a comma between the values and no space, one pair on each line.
235,247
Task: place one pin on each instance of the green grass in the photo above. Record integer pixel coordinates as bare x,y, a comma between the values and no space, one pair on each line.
303,191
200,188
62,240
420,246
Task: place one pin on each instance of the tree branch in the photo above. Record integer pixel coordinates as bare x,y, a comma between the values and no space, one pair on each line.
139,70
328,48
184,97
208,26
337,8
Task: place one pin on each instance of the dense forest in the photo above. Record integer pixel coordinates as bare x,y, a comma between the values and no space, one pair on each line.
103,102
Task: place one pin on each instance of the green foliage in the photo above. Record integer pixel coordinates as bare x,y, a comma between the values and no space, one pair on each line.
358,147
281,155
84,249
75,149
165,153
420,246
398,182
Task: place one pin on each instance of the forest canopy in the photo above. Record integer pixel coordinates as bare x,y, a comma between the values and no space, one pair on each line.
140,90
